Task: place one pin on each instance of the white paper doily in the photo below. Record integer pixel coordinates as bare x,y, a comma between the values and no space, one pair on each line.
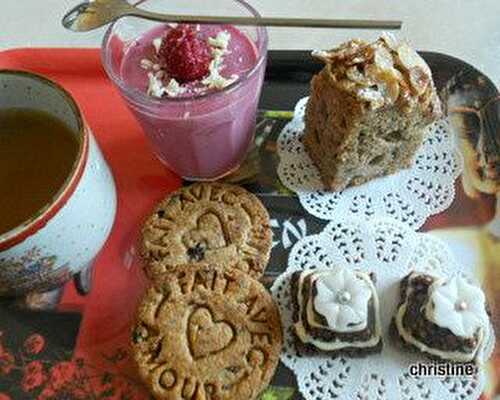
410,196
390,250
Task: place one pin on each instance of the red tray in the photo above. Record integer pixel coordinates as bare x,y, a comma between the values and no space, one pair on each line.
98,365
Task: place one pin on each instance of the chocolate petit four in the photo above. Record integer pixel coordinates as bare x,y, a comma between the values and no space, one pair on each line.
336,311
444,318
367,110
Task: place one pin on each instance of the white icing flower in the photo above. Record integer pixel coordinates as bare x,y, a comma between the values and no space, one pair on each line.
457,305
342,298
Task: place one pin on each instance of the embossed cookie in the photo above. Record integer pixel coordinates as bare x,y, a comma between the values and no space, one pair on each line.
207,333
208,223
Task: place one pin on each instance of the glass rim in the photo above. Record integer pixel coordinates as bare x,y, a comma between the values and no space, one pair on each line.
140,98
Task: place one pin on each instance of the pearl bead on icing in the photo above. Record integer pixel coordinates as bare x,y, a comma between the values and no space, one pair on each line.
344,297
461,306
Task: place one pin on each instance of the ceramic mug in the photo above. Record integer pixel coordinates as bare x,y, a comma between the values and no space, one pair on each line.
64,237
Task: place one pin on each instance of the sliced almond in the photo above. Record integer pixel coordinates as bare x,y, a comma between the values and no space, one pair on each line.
393,89
386,75
419,80
383,58
397,74
342,53
372,72
323,55
372,96
409,58
347,84
406,99
425,99
355,75
390,40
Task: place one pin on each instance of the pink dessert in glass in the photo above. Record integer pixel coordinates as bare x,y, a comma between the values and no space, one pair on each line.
194,89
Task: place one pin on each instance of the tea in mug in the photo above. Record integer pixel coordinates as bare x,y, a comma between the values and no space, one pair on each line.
37,155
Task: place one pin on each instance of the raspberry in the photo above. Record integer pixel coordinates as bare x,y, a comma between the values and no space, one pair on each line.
184,55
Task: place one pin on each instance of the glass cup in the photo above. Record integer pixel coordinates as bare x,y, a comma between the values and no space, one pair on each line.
202,137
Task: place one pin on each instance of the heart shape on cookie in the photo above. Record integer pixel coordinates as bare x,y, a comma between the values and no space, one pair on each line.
205,335
208,234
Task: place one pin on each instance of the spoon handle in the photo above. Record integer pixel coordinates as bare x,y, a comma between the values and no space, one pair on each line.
278,22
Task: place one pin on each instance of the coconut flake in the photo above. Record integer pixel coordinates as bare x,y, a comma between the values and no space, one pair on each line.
221,40
218,53
215,80
219,46
174,89
146,64
157,44
155,86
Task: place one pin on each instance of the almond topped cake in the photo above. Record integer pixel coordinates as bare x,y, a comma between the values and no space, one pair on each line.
367,110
